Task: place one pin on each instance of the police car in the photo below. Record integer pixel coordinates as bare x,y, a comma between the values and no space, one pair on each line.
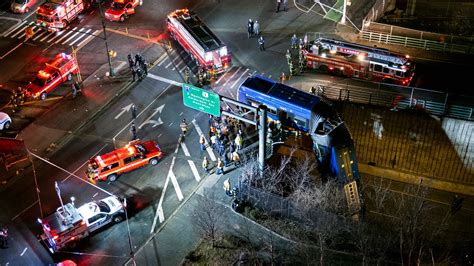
5,121
100,213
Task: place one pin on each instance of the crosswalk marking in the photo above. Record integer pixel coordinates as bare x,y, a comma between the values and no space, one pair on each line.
194,170
76,36
13,30
65,35
237,80
232,76
88,38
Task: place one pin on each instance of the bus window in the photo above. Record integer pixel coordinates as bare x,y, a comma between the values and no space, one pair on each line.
300,122
272,110
254,103
377,68
399,74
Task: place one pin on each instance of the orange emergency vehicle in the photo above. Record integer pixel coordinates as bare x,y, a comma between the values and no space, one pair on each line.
121,9
56,72
134,155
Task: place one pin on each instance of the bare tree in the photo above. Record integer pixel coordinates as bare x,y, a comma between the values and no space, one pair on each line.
208,216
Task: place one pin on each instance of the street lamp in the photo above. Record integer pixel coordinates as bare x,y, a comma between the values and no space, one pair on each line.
128,227
111,69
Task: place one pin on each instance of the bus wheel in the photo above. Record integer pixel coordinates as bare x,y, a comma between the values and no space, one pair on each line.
153,161
112,177
323,69
43,96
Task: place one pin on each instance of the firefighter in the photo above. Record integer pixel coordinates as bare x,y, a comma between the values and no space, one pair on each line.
76,89
201,77
312,90
292,69
288,56
261,43
23,94
131,63
133,131
184,126
282,77
187,75
301,62
14,101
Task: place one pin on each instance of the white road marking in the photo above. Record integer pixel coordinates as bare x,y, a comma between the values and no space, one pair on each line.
177,148
185,149
169,81
23,253
236,71
219,80
194,170
21,31
58,34
13,49
24,210
70,38
172,61
160,59
97,193
10,32
65,35
39,35
180,114
161,215
174,181
208,149
237,80
124,109
80,37
86,40
170,124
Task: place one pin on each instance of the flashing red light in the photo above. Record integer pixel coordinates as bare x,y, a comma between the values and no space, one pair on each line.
83,222
55,237
43,74
72,238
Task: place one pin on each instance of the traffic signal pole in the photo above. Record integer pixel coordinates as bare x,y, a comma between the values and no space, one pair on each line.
111,69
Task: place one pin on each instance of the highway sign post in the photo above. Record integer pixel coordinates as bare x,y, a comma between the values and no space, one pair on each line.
201,100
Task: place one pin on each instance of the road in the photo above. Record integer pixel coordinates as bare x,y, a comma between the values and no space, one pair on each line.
154,192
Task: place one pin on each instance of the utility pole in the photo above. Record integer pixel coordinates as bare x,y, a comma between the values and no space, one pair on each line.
262,135
111,69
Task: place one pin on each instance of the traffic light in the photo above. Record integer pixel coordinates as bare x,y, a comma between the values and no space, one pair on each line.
352,197
112,53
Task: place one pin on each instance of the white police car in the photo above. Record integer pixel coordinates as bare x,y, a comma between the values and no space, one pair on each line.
100,213
5,121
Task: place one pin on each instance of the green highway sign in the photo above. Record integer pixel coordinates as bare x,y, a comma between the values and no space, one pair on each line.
201,100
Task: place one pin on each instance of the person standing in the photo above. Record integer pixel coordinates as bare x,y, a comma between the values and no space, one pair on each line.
236,158
294,41
278,3
131,63
133,131
239,142
134,73
288,56
220,167
285,5
282,78
134,111
202,143
256,28
187,75
184,126
250,28
205,164
261,43
227,187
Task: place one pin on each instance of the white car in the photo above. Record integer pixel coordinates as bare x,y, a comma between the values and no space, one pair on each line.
5,121
22,6
100,213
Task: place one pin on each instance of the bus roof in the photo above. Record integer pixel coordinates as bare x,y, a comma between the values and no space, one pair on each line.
281,91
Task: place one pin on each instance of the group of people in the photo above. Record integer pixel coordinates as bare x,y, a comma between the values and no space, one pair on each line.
200,76
18,97
4,237
253,29
283,4
138,66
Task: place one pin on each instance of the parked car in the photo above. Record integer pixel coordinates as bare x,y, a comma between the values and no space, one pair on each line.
22,6
5,121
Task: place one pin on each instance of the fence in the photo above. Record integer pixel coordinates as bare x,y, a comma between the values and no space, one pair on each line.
389,34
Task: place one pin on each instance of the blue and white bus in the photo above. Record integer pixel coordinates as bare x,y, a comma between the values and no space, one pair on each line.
309,113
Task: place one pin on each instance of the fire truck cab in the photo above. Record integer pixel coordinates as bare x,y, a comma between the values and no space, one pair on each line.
56,72
121,9
134,155
203,46
57,14
69,224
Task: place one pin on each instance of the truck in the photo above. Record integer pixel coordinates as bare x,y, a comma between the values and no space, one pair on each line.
121,9
204,47
55,15
135,154
59,70
68,224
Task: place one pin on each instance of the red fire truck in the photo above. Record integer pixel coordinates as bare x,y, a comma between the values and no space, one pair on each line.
56,72
57,14
134,155
210,54
359,61
121,9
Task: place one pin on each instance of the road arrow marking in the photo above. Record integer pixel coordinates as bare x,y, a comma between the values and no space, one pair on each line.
208,148
161,214
169,81
124,109
149,120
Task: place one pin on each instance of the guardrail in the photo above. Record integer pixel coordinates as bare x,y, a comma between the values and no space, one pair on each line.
397,97
431,45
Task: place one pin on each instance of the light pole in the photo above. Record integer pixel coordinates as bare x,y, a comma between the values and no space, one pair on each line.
111,69
129,236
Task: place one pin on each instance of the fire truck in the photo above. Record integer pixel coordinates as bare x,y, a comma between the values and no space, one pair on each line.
57,14
134,155
56,72
359,61
69,224
121,9
209,53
